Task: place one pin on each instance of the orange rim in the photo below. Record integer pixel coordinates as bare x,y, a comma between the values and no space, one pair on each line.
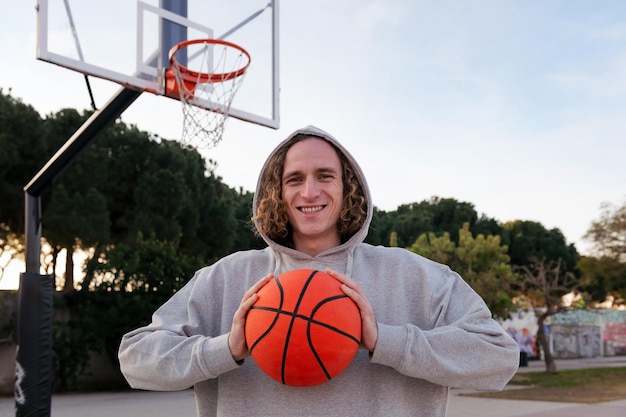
195,76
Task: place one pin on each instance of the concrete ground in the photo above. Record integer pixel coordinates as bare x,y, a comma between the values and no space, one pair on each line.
157,404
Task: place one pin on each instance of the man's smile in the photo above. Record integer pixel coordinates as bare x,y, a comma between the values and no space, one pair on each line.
311,209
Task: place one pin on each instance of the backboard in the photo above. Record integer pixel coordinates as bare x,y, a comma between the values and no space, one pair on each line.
128,41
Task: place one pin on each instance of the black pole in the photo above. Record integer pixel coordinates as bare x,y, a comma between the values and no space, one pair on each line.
98,121
33,373
33,367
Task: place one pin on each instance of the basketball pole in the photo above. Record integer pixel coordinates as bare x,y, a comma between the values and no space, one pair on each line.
33,367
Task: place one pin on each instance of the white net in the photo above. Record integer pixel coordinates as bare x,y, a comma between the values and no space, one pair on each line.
207,89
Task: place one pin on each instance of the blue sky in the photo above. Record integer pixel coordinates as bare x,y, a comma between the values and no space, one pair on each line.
514,106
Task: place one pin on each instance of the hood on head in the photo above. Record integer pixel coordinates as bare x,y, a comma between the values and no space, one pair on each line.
356,237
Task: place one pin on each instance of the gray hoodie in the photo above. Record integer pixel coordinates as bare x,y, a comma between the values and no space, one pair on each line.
434,332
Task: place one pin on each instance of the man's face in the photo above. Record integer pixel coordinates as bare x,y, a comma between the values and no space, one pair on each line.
313,194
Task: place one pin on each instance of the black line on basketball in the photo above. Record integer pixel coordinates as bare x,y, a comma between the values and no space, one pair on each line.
278,312
312,321
293,318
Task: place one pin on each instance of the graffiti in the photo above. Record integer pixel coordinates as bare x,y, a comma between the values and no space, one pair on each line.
565,343
575,333
615,338
20,398
576,341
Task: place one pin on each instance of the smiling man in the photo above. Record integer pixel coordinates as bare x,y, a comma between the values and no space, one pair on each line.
423,329
313,195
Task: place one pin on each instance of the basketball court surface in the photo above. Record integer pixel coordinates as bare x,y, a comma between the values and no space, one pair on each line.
182,403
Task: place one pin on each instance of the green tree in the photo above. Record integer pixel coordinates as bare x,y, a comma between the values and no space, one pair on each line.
23,153
544,285
133,280
489,226
158,187
245,236
529,241
439,249
437,215
482,261
380,228
411,220
450,215
218,220
607,234
150,269
393,240
602,277
75,213
128,182
79,220
158,201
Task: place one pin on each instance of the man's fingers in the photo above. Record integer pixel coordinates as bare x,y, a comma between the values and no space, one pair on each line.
342,278
257,286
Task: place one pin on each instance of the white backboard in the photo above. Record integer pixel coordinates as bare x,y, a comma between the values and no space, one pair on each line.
127,41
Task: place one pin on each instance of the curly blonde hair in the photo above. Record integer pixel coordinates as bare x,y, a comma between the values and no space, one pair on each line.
271,216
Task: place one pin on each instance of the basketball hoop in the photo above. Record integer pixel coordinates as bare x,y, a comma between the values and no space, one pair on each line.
206,91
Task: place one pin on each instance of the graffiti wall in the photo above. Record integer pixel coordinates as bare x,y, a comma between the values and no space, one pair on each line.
576,341
598,332
572,333
615,338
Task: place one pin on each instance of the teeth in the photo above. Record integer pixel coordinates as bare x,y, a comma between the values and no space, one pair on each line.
311,209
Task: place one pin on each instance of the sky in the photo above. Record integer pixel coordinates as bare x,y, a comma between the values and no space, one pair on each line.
516,107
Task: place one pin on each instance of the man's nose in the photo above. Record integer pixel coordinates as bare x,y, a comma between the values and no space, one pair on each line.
311,188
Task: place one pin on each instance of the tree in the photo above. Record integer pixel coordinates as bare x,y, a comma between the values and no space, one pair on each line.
482,261
128,182
452,215
544,285
608,233
245,236
529,241
75,213
80,220
380,228
23,152
393,240
602,277
409,221
489,226
439,249
133,280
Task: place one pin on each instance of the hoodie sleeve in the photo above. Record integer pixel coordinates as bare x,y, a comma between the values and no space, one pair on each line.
462,346
180,347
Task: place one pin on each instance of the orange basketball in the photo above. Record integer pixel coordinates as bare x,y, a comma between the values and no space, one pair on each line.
303,330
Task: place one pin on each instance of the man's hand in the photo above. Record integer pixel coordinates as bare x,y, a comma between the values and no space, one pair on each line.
237,336
369,328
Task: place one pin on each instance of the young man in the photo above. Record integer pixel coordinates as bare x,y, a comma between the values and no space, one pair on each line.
423,328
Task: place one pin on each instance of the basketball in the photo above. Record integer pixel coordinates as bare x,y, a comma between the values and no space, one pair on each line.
303,330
